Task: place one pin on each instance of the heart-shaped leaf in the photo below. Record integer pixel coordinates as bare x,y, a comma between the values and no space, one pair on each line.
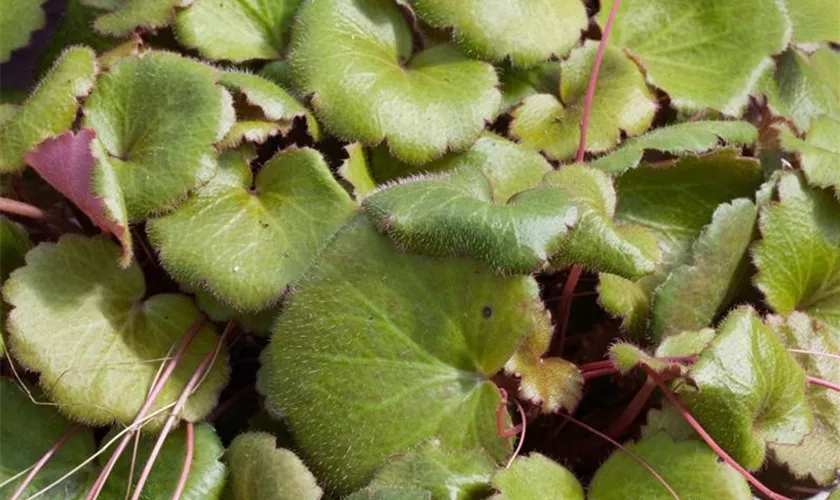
264,237
28,431
49,109
81,321
803,87
550,382
237,30
819,454
679,139
207,473
718,271
690,468
260,471
750,391
419,336
126,16
443,473
355,57
693,50
139,110
623,104
523,32
819,153
798,257
68,164
19,21
536,476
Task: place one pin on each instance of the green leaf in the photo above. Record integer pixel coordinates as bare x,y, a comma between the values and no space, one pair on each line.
237,30
14,243
802,88
356,171
623,103
522,32
690,468
49,109
443,473
627,299
819,153
694,293
798,257
679,139
276,104
28,431
250,131
536,476
814,20
155,158
19,20
818,456
68,163
519,83
693,50
550,382
81,321
687,343
127,16
293,209
258,323
391,494
510,167
260,471
420,338
750,391
627,357
355,56
207,473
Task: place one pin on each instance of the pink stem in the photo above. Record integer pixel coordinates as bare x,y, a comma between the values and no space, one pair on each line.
593,374
596,365
618,445
629,415
521,436
565,306
153,394
23,209
593,80
188,457
44,459
824,383
189,389
815,353
689,418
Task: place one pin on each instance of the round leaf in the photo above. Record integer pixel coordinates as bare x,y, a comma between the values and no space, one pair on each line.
237,30
19,20
81,321
524,32
379,350
263,238
536,476
690,468
139,110
355,57
694,52
622,103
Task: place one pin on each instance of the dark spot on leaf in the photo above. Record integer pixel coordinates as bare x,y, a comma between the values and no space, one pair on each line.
487,311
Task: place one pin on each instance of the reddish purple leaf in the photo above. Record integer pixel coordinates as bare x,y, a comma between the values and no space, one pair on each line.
66,162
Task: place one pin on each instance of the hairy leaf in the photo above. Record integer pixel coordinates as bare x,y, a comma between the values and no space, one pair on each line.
687,343
536,476
294,207
819,153
520,31
355,57
627,357
83,323
623,104
694,293
519,83
258,323
75,28
356,171
679,139
237,30
49,109
260,471
750,391
627,299
155,158
798,257
379,350
391,494
19,20
28,431
818,456
690,468
126,16
207,473
693,50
